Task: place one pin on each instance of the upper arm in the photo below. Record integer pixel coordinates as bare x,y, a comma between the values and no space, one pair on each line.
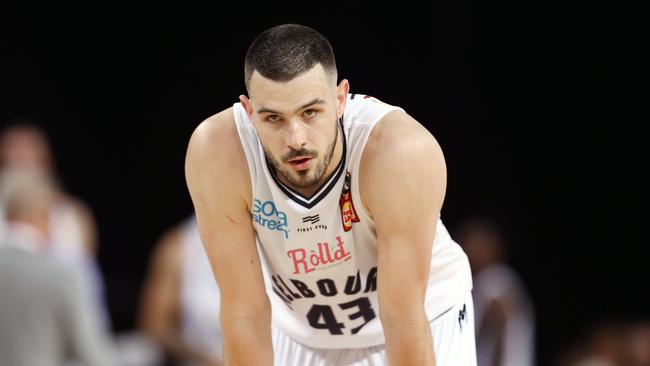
403,183
219,184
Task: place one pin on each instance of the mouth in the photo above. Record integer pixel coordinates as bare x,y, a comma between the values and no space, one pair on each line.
301,162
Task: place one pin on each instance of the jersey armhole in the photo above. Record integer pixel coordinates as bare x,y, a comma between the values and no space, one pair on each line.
363,140
359,207
246,132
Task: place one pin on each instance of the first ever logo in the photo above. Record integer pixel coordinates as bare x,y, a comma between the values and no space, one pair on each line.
268,215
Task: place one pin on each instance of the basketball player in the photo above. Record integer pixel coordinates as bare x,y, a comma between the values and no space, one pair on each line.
180,301
504,312
320,213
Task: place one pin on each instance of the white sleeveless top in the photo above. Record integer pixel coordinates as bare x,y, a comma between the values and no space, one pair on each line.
200,296
319,254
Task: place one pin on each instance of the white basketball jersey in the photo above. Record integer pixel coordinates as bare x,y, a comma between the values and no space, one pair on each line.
319,253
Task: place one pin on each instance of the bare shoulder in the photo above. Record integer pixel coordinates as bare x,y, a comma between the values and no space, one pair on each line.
215,137
398,141
401,158
215,155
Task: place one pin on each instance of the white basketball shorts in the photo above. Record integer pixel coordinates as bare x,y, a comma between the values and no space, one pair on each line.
453,339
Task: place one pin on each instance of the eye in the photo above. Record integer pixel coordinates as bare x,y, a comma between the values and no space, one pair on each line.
273,118
309,113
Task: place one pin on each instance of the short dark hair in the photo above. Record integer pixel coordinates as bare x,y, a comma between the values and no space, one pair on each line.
283,52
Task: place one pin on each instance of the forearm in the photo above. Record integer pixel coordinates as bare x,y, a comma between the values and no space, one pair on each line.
408,339
247,341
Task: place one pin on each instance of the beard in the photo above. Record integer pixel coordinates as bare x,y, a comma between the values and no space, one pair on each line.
304,178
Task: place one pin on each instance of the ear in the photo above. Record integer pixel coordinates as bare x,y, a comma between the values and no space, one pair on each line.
341,96
246,103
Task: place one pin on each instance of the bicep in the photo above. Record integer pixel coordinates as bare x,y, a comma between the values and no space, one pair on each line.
405,209
229,242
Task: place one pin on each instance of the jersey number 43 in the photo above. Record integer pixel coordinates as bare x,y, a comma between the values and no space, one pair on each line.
322,316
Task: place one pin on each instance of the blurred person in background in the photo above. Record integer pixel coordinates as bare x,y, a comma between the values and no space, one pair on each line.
180,302
637,344
601,345
25,149
504,312
46,319
610,343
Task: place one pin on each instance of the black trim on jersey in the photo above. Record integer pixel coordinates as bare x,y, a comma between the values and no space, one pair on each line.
298,197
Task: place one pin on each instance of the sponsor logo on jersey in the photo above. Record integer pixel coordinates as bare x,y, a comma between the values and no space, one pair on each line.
268,216
322,257
325,314
348,214
462,316
314,221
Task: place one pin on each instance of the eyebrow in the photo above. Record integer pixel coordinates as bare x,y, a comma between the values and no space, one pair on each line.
310,103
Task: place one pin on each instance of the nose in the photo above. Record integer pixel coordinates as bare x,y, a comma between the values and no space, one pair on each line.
296,137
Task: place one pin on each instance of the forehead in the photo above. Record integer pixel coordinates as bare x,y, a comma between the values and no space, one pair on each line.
288,95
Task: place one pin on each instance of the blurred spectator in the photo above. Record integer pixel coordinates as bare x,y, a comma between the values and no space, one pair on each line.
610,343
180,303
637,345
600,346
45,317
504,312
25,149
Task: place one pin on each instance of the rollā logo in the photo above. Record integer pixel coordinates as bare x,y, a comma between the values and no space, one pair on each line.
323,257
267,215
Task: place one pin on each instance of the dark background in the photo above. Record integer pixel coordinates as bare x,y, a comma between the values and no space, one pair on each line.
539,109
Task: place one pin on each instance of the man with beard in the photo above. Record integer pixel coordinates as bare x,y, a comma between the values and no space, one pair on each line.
319,210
